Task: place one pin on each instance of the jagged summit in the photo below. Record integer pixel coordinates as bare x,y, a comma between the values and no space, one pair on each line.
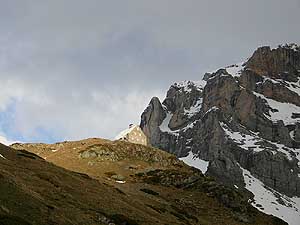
244,120
188,85
292,46
280,63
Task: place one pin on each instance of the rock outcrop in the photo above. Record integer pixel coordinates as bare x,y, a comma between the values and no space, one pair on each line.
241,117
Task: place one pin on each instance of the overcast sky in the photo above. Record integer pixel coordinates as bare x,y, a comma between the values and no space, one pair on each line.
71,69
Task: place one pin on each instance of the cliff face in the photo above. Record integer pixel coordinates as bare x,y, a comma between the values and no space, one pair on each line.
242,117
282,63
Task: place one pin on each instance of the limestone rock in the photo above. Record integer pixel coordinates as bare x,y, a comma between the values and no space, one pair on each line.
283,62
237,117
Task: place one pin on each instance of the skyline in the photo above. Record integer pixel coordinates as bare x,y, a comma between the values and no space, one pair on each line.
71,69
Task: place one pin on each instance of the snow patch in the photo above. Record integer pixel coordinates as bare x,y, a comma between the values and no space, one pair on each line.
254,142
194,161
267,200
235,70
292,86
214,108
291,46
245,141
292,134
187,85
281,111
164,127
190,125
287,151
195,109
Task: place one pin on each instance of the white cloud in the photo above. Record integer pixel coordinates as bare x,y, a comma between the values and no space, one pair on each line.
72,112
88,68
5,141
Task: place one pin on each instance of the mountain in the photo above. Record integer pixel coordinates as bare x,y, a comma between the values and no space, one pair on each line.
243,121
105,182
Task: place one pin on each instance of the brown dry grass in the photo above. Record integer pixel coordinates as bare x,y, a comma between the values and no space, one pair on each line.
38,192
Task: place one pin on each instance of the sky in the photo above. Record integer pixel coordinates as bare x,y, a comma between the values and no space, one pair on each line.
72,69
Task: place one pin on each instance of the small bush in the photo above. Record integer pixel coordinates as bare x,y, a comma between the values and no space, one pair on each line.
123,220
110,173
150,192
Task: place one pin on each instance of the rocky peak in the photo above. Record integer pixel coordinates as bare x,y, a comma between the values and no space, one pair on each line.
292,46
183,101
282,62
152,117
243,119
186,89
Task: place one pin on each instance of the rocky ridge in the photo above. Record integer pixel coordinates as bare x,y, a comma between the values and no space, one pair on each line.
244,117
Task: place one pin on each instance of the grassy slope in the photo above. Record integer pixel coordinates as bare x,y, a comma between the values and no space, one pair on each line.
158,189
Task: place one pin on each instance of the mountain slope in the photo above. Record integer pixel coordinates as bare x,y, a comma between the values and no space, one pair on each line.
242,119
127,184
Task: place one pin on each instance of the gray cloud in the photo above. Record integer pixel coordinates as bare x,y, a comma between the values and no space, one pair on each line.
88,68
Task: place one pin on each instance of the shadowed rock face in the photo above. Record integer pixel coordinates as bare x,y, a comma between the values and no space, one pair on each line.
153,117
240,116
